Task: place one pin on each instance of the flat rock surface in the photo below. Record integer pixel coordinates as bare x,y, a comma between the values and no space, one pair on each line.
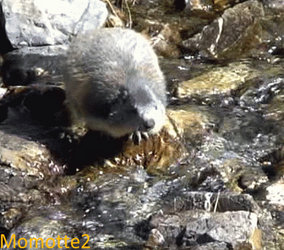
41,23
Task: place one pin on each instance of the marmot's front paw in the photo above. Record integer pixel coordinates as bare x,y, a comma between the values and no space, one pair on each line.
137,136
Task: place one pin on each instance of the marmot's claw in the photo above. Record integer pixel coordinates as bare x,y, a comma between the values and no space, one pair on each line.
145,135
137,137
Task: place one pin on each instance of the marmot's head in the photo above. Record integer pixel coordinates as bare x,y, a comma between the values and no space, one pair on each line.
131,109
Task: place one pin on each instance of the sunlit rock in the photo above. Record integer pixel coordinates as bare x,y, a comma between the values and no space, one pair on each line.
189,123
219,41
41,23
275,194
218,81
22,154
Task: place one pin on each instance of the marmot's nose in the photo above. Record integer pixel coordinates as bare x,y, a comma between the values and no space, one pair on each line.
149,124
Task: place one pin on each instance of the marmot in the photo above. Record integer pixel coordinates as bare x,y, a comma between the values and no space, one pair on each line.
114,83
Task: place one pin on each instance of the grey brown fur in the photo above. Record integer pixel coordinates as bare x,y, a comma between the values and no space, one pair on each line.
114,83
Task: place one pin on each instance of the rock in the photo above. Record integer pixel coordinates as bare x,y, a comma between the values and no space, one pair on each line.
275,109
275,5
236,230
273,33
30,157
165,41
153,19
41,23
219,41
190,123
211,202
212,246
220,5
52,226
204,8
239,176
220,81
34,65
229,80
275,194
200,8
41,103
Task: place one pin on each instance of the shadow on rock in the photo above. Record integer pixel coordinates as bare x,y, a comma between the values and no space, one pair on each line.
39,114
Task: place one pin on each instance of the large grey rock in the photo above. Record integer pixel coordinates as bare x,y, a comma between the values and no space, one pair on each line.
229,230
235,228
40,22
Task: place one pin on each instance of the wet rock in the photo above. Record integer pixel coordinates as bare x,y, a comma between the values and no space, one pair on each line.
165,41
164,37
212,202
272,35
252,179
275,194
34,65
157,21
190,123
42,103
179,70
239,176
229,80
196,228
219,41
218,81
10,217
36,23
276,109
204,8
18,192
50,227
30,157
231,170
220,5
238,229
275,5
200,8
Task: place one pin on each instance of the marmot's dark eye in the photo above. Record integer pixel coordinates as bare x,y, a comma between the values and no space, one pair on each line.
124,94
132,111
111,114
